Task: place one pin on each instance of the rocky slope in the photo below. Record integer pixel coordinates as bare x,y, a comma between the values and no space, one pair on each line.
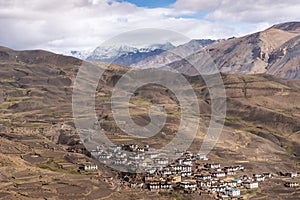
274,51
38,133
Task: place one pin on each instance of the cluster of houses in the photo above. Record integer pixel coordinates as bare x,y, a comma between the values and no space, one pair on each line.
133,157
189,173
291,183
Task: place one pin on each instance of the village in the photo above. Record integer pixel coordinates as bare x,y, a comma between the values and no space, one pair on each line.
190,173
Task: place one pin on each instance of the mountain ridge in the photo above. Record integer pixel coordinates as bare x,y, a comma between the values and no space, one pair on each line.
126,55
253,53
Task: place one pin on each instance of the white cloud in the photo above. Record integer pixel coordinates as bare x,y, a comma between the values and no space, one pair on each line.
253,11
83,24
197,5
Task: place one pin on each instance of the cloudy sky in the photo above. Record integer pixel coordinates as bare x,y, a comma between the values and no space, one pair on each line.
84,24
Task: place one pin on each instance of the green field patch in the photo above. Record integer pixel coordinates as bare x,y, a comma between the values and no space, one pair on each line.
10,102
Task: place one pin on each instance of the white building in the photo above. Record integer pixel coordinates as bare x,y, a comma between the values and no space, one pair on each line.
121,161
167,172
250,185
187,162
218,174
231,184
291,184
120,155
150,170
104,156
292,174
88,167
165,185
186,169
154,186
186,174
188,185
201,157
179,153
140,149
233,192
202,177
259,178
267,175
212,166
114,149
162,161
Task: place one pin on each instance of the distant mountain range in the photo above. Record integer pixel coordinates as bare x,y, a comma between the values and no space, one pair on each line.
274,51
127,55
153,56
172,55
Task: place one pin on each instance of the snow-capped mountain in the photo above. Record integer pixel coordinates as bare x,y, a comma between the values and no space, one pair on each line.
83,55
127,55
175,54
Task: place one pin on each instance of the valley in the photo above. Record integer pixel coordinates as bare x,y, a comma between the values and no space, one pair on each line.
41,150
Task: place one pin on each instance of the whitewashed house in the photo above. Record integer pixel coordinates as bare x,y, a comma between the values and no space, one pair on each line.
231,184
88,167
233,192
162,161
114,148
186,174
150,170
218,174
292,174
155,185
201,157
121,161
186,169
140,149
259,178
202,177
179,153
291,184
188,185
121,155
187,162
105,156
212,166
250,185
267,175
165,185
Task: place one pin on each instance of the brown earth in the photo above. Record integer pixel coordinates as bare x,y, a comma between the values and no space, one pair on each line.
36,126
274,51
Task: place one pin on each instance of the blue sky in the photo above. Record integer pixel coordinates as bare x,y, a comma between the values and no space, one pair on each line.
151,3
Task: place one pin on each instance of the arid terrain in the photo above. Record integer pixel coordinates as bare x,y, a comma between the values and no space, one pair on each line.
274,51
40,149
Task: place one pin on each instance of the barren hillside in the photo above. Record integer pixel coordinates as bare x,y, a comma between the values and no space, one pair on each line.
274,51
38,135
